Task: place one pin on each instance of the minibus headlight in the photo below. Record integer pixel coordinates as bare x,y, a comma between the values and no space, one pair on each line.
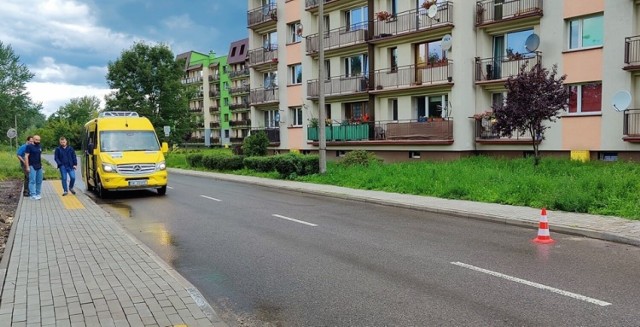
108,167
161,166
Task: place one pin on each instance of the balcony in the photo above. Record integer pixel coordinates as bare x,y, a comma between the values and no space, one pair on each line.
437,73
312,5
631,126
240,123
273,133
498,69
405,23
632,53
239,90
214,125
263,96
192,80
487,134
213,93
196,109
265,56
262,15
239,106
436,131
490,12
214,78
358,132
239,73
214,109
338,38
341,85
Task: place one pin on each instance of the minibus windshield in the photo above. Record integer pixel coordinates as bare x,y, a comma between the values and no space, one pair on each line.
120,141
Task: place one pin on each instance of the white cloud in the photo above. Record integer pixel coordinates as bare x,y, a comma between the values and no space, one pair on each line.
48,70
179,22
54,95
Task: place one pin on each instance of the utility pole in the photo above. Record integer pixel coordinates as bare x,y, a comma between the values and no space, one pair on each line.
321,110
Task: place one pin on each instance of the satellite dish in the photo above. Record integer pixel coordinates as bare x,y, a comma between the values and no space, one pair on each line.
532,43
621,100
276,117
299,29
432,11
446,42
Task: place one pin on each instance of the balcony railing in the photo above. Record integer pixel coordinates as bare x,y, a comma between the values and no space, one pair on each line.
192,80
260,96
309,4
239,89
413,21
632,50
239,73
437,129
240,123
486,132
213,93
338,38
340,85
499,68
263,55
358,132
214,78
273,133
197,109
262,14
491,11
414,75
239,106
631,127
215,124
213,109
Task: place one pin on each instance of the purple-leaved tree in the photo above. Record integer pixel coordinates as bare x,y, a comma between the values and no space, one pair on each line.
533,97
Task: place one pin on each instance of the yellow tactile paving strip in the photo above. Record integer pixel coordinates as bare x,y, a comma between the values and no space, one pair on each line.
69,201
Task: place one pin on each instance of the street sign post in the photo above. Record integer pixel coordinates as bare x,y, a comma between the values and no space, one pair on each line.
167,131
11,134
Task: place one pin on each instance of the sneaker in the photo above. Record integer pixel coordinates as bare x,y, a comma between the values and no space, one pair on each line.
64,193
72,191
33,197
38,197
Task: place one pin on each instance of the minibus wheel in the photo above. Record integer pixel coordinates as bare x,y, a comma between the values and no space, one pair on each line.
102,192
162,190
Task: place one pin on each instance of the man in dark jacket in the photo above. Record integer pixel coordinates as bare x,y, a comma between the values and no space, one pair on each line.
67,161
33,163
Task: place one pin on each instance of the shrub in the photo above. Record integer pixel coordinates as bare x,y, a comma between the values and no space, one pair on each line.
288,165
255,144
359,157
195,160
310,164
223,162
261,164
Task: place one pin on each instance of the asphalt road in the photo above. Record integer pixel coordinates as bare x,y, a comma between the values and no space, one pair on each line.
263,256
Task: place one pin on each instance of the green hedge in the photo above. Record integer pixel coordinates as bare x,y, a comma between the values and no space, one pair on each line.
261,164
195,160
223,162
290,166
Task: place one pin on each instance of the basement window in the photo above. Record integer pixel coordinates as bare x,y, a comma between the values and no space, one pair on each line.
608,156
340,153
414,154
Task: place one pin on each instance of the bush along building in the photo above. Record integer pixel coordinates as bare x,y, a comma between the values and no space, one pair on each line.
415,80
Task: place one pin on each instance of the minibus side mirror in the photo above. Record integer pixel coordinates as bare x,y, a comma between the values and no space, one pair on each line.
165,147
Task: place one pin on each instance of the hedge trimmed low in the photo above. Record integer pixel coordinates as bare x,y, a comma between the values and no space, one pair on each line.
261,164
223,162
195,159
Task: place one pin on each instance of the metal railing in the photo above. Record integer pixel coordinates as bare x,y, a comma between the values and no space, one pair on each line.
412,21
632,50
502,67
263,55
192,80
239,89
631,125
262,14
238,106
213,109
486,131
434,129
309,4
214,77
198,109
239,73
240,123
338,38
339,85
273,133
214,93
414,75
490,11
262,95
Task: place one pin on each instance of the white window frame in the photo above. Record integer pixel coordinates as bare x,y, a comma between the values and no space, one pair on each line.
270,118
296,116
580,30
364,59
579,101
293,69
293,35
362,24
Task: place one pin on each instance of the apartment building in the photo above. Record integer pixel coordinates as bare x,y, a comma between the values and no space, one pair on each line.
239,87
411,79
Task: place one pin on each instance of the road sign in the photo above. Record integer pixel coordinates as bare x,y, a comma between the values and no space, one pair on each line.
167,130
11,133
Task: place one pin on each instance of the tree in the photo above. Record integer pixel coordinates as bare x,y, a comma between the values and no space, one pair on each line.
533,97
147,79
14,99
255,144
78,110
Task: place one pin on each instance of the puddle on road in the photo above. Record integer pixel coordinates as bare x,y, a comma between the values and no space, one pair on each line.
122,209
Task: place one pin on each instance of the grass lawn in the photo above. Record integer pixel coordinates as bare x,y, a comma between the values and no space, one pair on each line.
606,188
10,167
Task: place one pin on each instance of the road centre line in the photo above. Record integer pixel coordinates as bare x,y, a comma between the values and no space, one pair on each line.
536,285
210,198
295,220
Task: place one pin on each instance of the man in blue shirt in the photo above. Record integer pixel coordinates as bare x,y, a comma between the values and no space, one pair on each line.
67,161
33,161
20,153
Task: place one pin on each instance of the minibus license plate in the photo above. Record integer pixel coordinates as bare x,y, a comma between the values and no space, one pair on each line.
138,182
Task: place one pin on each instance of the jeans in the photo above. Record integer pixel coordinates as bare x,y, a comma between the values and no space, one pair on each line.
64,170
26,178
35,181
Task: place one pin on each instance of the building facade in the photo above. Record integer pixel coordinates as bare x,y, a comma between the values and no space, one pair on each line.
417,79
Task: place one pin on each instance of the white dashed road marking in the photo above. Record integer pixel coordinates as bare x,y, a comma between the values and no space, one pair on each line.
295,220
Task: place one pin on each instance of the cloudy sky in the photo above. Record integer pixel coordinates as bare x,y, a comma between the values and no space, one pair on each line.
67,44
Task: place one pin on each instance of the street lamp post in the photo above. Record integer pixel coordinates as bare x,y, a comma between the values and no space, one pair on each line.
321,111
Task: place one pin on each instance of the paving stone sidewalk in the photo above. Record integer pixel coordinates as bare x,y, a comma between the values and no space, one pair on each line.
608,228
72,264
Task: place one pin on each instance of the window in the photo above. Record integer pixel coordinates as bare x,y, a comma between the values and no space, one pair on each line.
225,85
393,104
512,44
356,65
293,32
393,56
414,154
270,41
430,106
296,116
295,73
226,118
226,102
497,98
226,133
586,32
224,69
429,53
585,98
327,69
270,80
327,109
341,153
355,110
271,118
242,49
233,51
356,18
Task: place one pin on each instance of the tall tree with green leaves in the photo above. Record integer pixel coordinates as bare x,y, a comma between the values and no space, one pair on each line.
534,97
14,98
69,120
147,79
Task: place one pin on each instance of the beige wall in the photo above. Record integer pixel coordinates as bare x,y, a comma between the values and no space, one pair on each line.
294,96
573,8
294,53
292,10
297,138
583,66
581,133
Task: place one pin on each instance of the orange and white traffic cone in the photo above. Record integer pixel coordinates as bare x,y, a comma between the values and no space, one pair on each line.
544,237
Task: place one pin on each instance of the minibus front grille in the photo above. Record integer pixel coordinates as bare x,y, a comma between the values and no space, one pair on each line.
136,169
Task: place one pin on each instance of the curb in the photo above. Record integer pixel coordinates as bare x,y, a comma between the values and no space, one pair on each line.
6,257
570,230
